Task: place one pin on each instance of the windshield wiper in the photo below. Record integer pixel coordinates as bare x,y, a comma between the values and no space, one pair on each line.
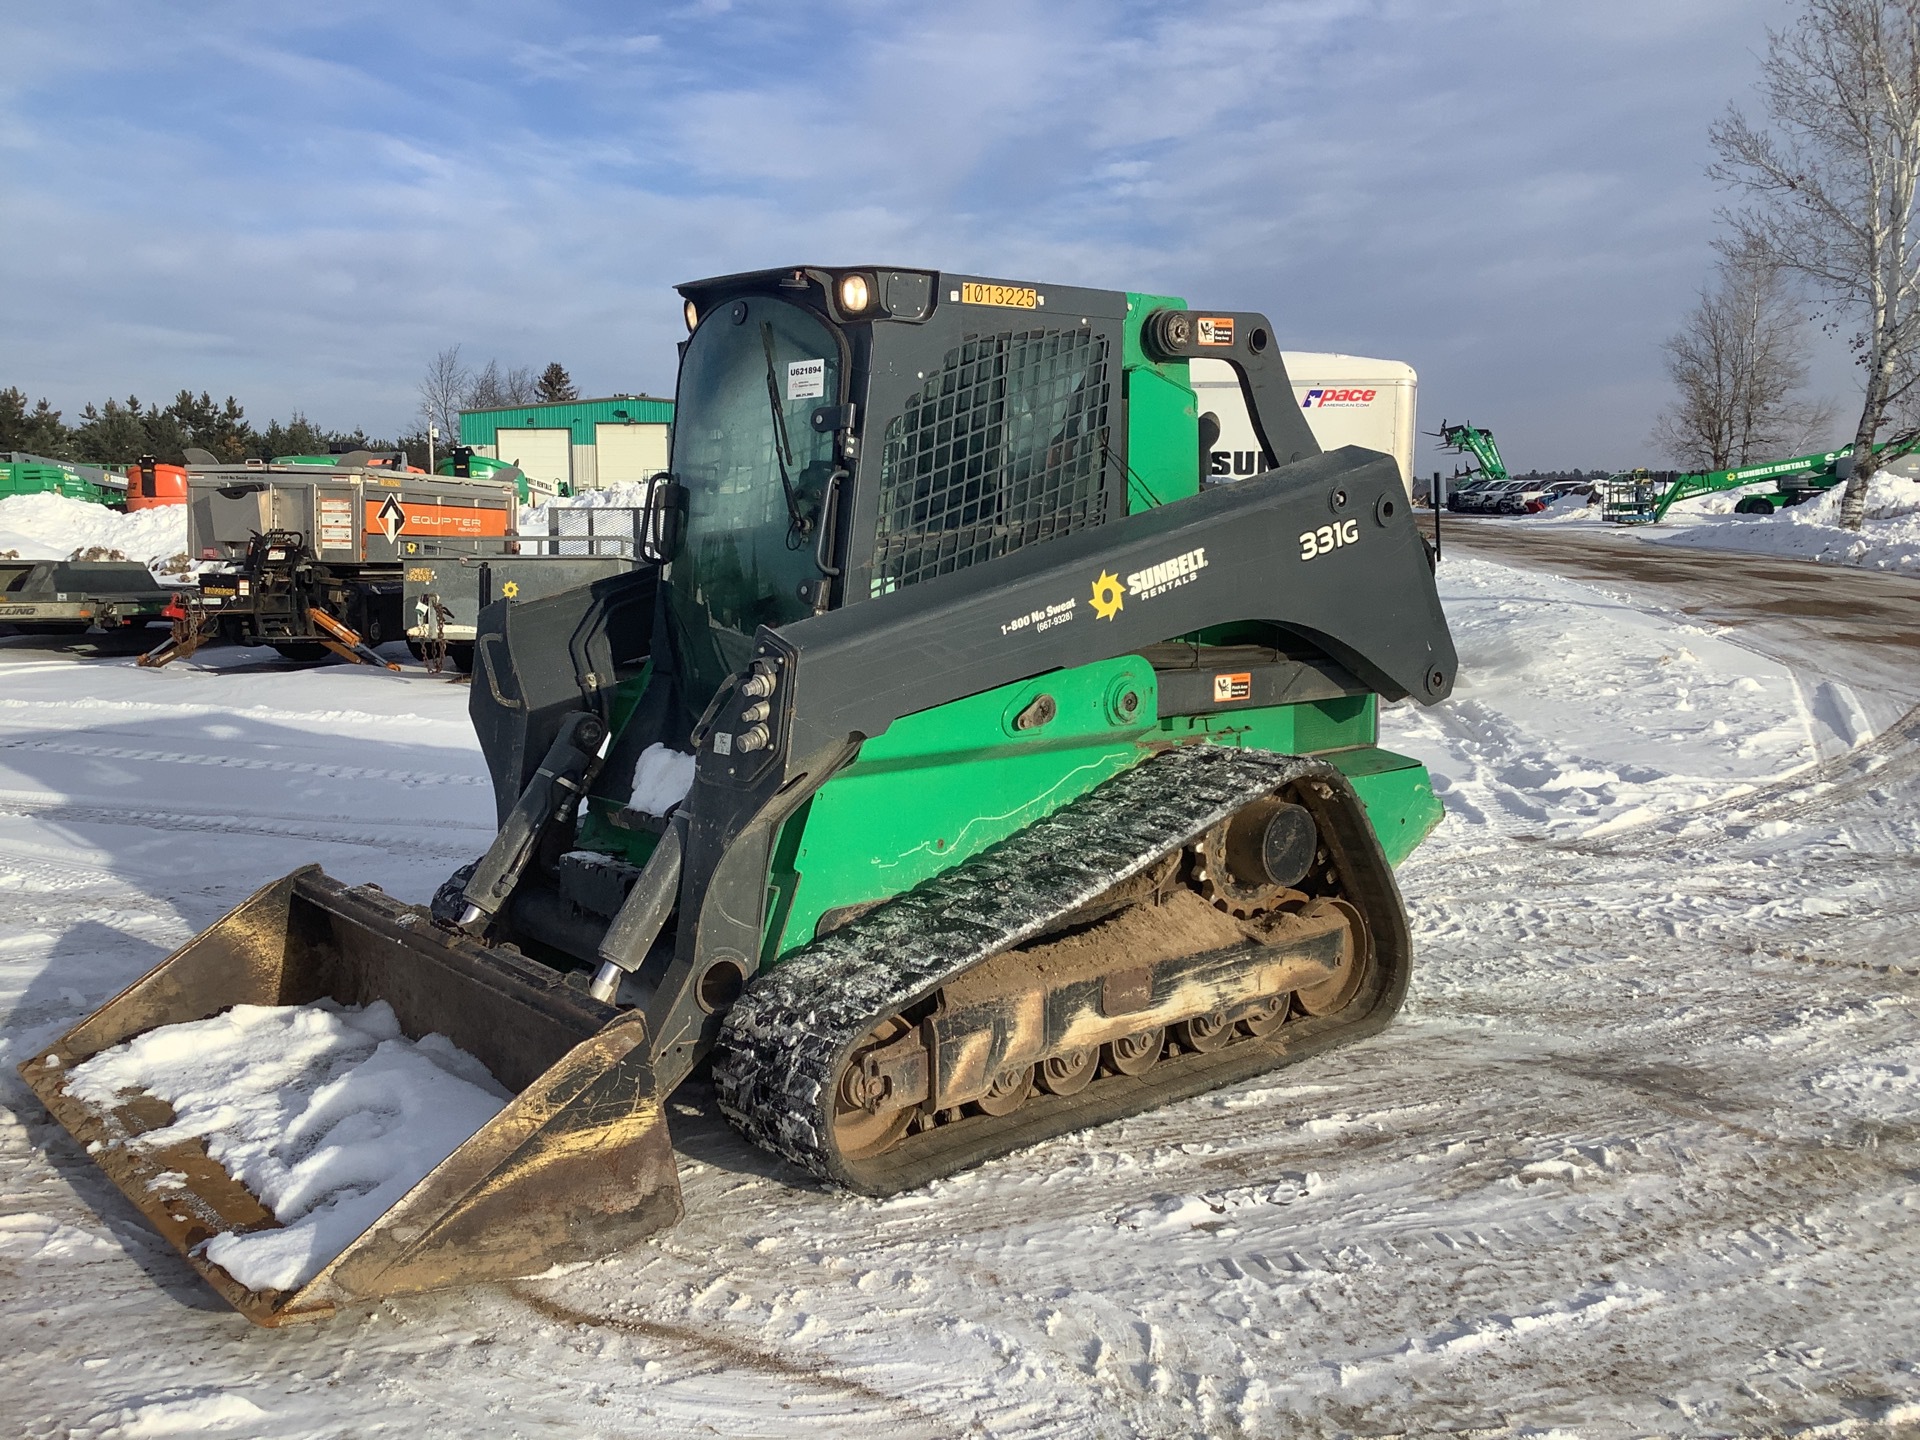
797,525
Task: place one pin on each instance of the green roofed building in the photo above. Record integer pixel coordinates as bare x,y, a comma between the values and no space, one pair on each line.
588,444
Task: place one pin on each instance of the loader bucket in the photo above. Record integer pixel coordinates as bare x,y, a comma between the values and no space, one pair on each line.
578,1163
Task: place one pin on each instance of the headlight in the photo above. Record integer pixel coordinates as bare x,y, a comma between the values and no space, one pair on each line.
854,293
692,314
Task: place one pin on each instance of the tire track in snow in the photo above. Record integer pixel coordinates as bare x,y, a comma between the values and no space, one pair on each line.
731,1352
391,835
1890,758
410,779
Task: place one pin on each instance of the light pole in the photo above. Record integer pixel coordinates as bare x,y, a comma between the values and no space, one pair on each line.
433,434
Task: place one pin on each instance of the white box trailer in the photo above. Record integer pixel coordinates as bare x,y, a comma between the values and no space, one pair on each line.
1347,399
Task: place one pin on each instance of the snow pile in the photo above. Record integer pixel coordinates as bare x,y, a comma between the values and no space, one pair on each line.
661,780
41,1237
54,527
1568,507
1888,540
632,495
327,1114
1574,713
179,1412
1702,507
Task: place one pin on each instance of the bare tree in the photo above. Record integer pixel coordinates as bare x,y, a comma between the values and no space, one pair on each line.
490,387
443,391
1831,175
1737,366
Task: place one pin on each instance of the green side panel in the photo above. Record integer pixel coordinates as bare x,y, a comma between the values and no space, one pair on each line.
479,467
944,784
1398,794
1163,425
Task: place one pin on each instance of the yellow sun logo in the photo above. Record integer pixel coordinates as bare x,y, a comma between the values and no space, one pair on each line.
510,589
1108,596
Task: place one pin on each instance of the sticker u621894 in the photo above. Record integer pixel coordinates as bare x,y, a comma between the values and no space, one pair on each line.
1315,543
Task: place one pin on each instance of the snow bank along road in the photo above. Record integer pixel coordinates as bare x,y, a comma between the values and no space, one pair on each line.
1786,606
1639,1157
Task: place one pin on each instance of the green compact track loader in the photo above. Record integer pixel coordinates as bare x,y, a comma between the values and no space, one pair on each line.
1032,784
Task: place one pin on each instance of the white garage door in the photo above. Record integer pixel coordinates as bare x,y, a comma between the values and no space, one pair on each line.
543,454
629,452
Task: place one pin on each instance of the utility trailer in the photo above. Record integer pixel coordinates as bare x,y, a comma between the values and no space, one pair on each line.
310,559
445,593
70,597
1345,400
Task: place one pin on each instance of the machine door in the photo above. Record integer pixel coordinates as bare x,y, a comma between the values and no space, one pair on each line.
756,473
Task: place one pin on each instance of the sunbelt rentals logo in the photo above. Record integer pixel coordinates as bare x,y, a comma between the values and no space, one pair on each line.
1110,596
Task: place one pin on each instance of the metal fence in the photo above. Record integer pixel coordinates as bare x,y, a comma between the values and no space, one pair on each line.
588,530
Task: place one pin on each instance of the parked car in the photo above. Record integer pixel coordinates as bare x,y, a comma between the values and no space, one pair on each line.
1460,496
1522,497
1492,499
1475,497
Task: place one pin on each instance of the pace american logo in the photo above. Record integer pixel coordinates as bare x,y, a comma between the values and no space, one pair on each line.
1326,398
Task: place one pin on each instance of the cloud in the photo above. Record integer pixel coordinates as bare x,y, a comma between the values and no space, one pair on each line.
581,57
301,207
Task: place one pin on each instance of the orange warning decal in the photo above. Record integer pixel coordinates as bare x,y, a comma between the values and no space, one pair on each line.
1233,687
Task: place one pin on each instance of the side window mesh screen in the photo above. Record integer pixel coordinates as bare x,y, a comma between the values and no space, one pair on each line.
1005,445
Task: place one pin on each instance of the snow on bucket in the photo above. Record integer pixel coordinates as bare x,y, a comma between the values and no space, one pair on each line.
326,1098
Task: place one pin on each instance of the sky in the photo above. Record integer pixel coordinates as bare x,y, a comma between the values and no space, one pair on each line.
300,204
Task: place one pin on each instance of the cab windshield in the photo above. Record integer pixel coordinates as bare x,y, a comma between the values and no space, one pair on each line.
755,469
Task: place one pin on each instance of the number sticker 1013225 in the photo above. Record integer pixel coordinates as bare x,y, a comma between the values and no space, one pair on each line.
1314,543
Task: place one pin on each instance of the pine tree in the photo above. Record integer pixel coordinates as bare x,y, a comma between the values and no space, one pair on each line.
115,433
37,431
555,384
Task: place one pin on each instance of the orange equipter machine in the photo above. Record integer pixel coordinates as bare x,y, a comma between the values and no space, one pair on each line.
151,484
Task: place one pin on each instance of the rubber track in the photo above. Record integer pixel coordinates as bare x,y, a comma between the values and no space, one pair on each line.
783,1043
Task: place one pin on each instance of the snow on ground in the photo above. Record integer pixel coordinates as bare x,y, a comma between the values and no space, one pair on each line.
1575,713
1564,510
1889,539
55,527
1636,1159
327,1114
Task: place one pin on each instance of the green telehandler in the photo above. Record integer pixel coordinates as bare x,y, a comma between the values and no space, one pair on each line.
1033,784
